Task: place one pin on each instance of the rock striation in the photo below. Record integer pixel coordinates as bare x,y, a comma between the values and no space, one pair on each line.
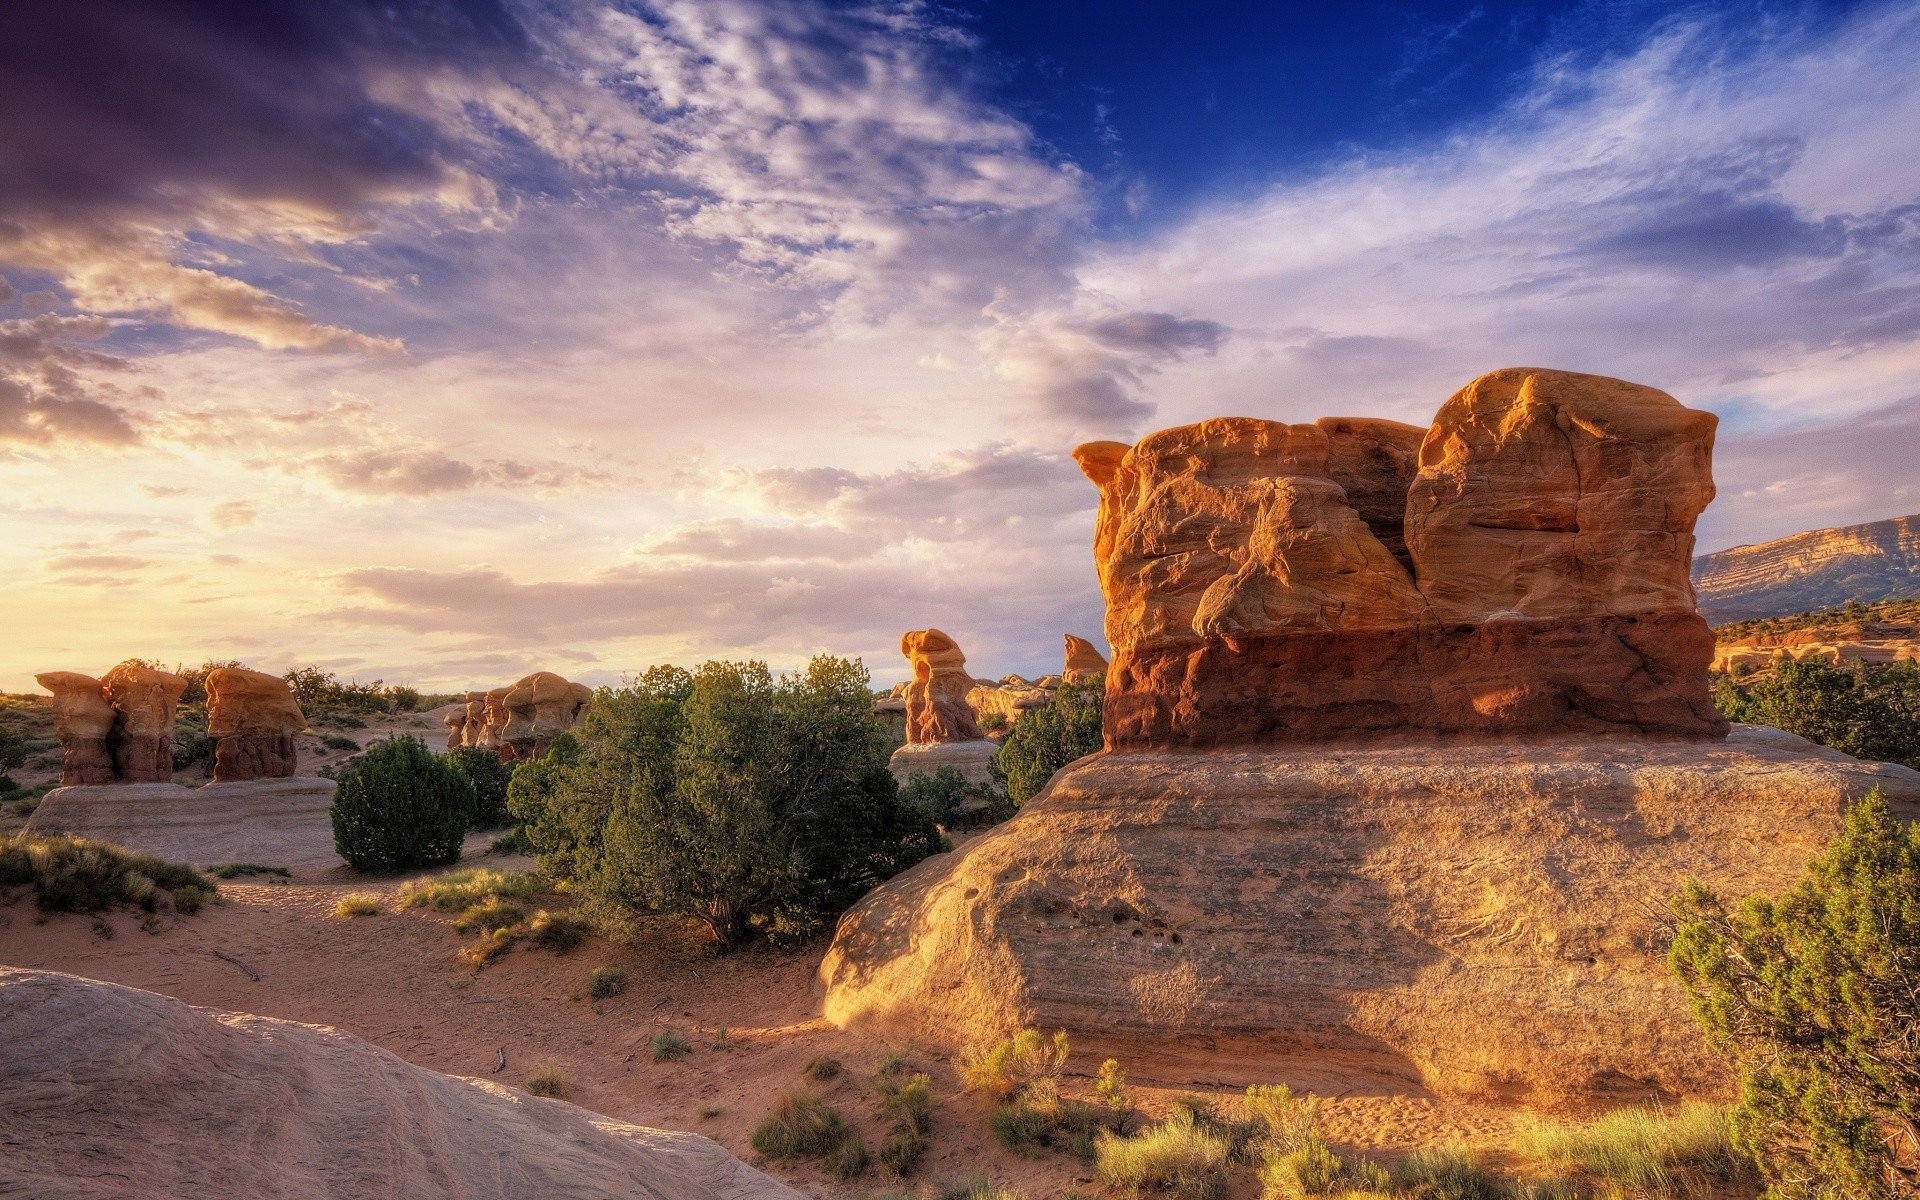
143,700
254,718
539,708
90,1098
82,719
1537,581
1083,662
1818,569
936,697
1485,921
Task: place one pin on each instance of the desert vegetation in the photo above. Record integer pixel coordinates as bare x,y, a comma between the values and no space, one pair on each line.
70,874
399,807
1868,711
1045,739
750,802
804,1126
1853,612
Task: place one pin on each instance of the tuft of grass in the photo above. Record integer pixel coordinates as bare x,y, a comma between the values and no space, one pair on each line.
847,1159
1010,1065
489,915
1280,1116
668,1045
603,982
235,870
722,1039
458,891
558,932
334,741
1311,1168
1447,1173
974,1187
70,874
901,1150
357,904
550,1081
1182,1156
1647,1148
821,1068
489,947
709,1111
801,1125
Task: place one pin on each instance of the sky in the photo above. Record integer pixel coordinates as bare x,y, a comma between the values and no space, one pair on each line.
440,342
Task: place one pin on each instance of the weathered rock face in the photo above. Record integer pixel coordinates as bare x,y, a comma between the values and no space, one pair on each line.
1257,590
254,717
936,698
476,726
1484,921
1000,704
83,719
456,723
1083,661
493,720
141,741
539,708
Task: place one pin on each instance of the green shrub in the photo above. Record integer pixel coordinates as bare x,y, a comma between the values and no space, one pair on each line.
1181,1156
558,932
800,1126
1866,710
1311,1168
1814,996
334,741
490,778
902,1150
70,874
400,807
750,803
1280,1116
911,1103
938,795
1012,1064
1646,1147
1048,738
1020,1129
668,1045
1111,1087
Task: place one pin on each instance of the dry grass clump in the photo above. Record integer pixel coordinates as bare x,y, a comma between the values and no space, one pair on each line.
70,874
803,1125
906,1098
558,932
1448,1173
494,904
358,904
975,1187
668,1045
550,1081
1011,1065
603,982
488,915
821,1068
1024,1072
1650,1149
457,891
235,870
1182,1156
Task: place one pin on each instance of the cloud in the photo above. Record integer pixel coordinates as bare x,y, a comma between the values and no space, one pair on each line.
68,563
732,539
1089,370
48,383
232,514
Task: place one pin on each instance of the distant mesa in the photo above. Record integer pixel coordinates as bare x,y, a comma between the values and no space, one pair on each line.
254,717
1807,572
1543,587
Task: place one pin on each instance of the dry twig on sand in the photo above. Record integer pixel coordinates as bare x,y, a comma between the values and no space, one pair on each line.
251,973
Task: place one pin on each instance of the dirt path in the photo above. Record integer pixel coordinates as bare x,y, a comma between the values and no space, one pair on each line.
394,980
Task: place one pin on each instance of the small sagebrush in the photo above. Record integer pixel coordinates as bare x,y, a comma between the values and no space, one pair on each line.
357,904
668,1045
235,870
1010,1065
558,932
801,1125
549,1081
821,1068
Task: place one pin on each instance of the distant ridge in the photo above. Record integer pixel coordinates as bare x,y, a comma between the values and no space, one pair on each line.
1805,572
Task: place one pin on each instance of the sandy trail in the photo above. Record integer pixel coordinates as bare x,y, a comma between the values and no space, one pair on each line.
393,979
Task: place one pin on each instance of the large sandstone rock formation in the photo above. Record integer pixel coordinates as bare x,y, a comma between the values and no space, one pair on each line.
1486,920
108,1092
143,700
254,717
474,731
281,822
493,720
1252,599
456,723
937,709
82,719
1083,661
539,708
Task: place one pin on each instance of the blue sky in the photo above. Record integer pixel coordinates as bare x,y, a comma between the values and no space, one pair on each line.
444,342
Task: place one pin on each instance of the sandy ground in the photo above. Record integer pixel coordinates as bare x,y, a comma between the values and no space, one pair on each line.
394,980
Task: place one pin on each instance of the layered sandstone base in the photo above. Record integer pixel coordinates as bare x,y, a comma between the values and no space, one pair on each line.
1645,674
255,756
277,822
90,1097
1478,917
139,759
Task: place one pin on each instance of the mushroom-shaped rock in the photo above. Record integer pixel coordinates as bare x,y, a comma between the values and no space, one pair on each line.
143,700
1083,660
476,726
82,719
937,708
1550,494
253,716
539,708
493,720
456,723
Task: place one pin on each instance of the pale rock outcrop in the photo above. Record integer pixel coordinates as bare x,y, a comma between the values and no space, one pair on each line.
493,721
1549,527
82,719
937,709
475,731
539,708
93,1076
285,822
1485,920
141,741
253,716
1083,661
1001,704
456,723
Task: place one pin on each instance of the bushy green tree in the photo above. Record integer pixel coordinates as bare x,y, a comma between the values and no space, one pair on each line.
400,806
1862,710
1048,738
1817,996
13,753
489,777
938,795
727,794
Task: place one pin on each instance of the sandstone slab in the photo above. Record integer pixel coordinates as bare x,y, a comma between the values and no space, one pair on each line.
971,759
1480,918
276,822
108,1091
